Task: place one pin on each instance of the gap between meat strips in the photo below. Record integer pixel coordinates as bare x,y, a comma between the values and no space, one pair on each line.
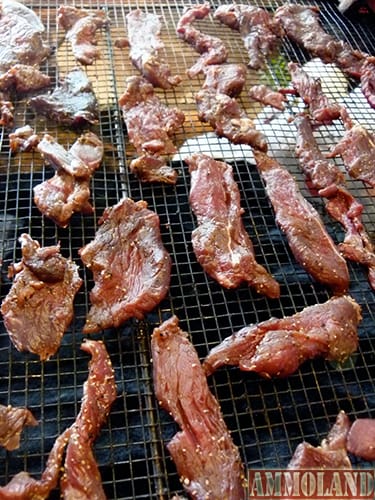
150,125
277,347
147,47
207,461
12,421
39,306
211,48
260,32
81,476
307,237
130,265
220,241
326,177
68,191
301,24
81,26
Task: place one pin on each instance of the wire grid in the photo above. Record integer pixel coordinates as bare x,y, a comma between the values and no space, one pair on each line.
267,418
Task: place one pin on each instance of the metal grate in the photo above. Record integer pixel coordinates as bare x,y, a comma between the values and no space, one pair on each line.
268,418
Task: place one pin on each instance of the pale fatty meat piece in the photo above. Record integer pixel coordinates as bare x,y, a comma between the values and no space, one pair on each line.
303,227
39,306
73,103
23,78
211,48
12,421
146,49
81,26
226,79
277,347
23,139
331,454
361,438
81,478
130,264
220,242
208,463
260,32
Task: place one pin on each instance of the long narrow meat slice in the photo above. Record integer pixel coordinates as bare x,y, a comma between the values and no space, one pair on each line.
207,461
81,26
150,125
228,119
328,179
310,90
211,48
131,267
220,242
39,306
12,421
368,81
307,237
331,454
73,103
277,347
226,79
81,477
147,47
361,438
357,149
259,31
267,96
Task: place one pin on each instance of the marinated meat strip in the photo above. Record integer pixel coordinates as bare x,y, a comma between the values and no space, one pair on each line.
307,237
130,265
68,191
277,347
147,47
207,461
211,48
150,125
228,119
267,96
23,139
6,110
361,438
39,306
21,36
331,454
81,26
368,81
226,79
220,241
310,90
73,103
12,422
22,78
342,206
357,150
259,31
81,477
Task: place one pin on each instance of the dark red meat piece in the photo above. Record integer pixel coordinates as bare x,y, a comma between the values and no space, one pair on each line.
361,438
130,265
207,461
226,79
12,422
277,347
81,26
211,48
220,242
259,31
307,237
228,119
39,306
267,96
146,49
331,454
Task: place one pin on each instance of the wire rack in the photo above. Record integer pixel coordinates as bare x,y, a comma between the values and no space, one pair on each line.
267,418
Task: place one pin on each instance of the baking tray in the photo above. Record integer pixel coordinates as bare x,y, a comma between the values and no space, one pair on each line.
267,418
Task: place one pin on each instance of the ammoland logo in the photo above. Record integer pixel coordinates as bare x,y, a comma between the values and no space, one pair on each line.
312,484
